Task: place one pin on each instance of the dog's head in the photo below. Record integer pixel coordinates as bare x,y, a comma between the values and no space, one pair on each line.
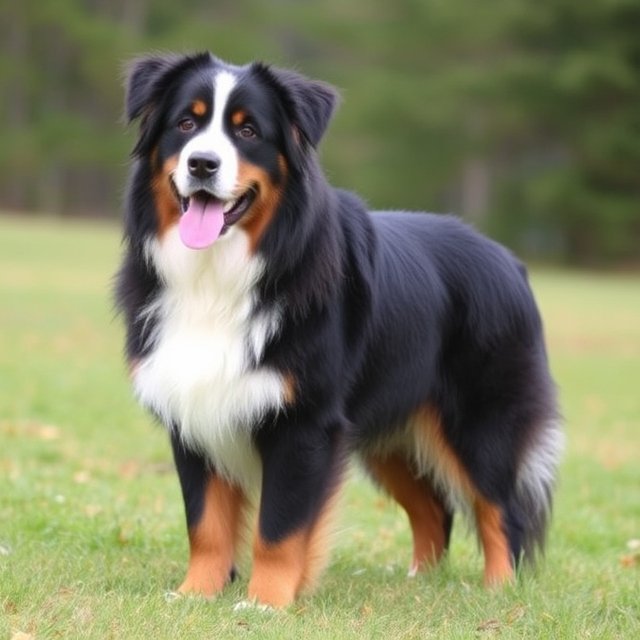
222,140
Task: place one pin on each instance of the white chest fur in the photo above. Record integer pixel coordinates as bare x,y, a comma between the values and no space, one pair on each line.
199,374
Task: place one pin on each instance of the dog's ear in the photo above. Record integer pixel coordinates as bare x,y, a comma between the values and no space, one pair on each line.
144,77
148,83
309,103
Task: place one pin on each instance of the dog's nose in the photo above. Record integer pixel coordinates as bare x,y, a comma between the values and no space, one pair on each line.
203,165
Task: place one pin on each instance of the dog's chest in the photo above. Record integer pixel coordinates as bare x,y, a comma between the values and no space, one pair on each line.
200,375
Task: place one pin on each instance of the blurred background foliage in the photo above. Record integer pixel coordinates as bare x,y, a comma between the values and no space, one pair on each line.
521,115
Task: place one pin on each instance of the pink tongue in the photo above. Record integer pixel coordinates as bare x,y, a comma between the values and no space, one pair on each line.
202,222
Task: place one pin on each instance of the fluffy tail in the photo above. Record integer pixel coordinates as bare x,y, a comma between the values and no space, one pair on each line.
535,484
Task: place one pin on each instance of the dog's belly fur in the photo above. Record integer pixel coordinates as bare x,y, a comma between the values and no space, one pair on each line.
199,376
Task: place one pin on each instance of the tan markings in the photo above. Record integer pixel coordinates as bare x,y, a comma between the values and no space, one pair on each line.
263,209
289,384
214,539
167,207
238,117
282,570
436,453
320,537
426,512
498,567
199,107
278,569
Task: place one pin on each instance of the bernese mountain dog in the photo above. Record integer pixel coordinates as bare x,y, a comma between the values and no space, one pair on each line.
277,328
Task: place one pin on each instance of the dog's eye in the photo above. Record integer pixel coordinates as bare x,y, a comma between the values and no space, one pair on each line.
246,131
186,125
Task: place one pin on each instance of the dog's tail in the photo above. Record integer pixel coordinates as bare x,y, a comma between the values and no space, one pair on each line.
533,496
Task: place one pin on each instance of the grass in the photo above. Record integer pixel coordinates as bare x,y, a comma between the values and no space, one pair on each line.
91,523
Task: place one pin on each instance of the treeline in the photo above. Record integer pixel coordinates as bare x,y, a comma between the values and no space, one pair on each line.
521,115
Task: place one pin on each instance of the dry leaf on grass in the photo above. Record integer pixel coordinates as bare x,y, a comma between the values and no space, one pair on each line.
630,560
489,625
516,613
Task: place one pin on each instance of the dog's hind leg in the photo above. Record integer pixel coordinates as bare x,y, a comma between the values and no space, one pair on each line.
499,561
429,518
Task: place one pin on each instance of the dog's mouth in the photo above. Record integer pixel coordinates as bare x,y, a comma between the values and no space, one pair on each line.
232,210
206,217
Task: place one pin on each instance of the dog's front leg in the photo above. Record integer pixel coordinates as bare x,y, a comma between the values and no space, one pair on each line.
214,511
302,474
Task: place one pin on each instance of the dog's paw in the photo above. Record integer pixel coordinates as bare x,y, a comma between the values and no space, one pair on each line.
246,605
172,596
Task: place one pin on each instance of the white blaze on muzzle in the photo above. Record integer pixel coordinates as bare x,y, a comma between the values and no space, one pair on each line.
207,198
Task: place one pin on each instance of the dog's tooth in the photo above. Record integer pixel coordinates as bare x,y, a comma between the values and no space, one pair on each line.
229,205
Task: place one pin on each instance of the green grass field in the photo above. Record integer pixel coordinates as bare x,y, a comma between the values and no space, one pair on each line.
91,523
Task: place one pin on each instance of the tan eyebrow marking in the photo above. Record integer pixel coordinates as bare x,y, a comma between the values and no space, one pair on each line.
238,117
199,107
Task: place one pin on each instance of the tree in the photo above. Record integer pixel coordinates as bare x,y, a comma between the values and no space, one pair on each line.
520,115
571,159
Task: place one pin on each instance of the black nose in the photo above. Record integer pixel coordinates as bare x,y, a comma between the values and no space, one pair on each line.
203,165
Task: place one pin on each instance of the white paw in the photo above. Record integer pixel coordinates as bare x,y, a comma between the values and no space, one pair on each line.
244,605
172,596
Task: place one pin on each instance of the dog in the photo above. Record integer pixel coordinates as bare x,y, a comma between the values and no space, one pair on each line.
277,328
